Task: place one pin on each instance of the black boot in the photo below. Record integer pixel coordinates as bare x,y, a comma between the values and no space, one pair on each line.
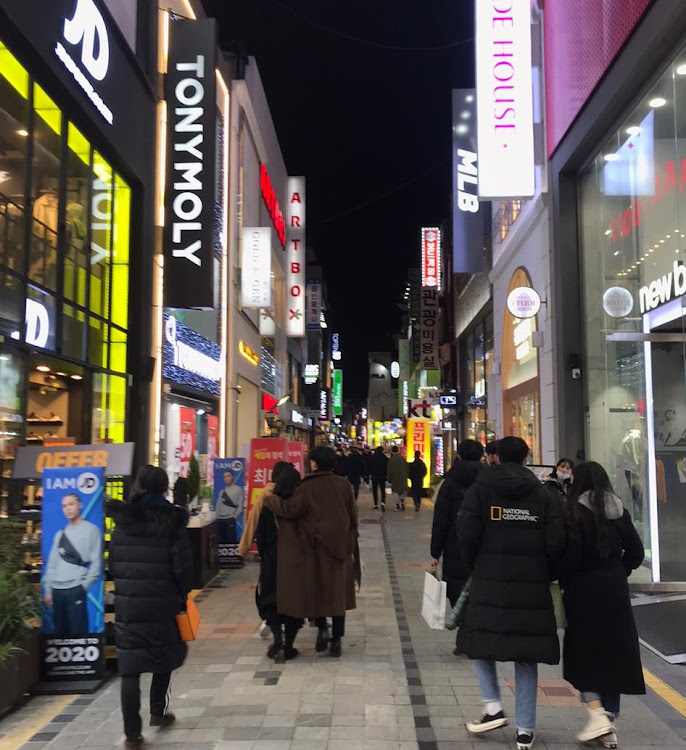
322,640
335,647
275,649
291,628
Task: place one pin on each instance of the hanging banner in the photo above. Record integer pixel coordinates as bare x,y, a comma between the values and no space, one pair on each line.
256,267
212,443
296,455
229,505
428,316
189,236
431,257
314,306
186,439
404,358
295,275
264,454
419,439
72,580
337,398
324,405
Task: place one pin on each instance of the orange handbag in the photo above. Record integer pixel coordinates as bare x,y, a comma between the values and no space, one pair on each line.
188,622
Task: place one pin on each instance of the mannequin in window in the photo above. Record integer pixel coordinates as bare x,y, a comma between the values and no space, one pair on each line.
632,453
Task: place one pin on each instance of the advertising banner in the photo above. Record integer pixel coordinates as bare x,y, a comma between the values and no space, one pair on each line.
212,443
404,358
324,415
188,358
429,359
337,392
31,460
419,439
431,257
256,267
186,439
314,306
189,237
470,217
72,580
229,505
264,454
295,307
296,455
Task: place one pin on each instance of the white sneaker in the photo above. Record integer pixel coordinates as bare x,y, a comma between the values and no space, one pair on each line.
265,631
609,740
599,724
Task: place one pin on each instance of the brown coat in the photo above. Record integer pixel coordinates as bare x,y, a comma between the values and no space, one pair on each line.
318,554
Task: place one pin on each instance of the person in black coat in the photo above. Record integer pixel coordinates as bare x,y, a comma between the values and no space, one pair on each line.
379,470
602,657
355,469
285,479
459,479
559,478
151,562
509,533
417,472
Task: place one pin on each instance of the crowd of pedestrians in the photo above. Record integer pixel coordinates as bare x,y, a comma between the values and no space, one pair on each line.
507,540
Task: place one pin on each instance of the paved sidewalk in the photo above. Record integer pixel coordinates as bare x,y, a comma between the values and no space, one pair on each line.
397,686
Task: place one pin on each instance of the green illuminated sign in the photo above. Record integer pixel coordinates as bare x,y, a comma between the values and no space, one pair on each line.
338,392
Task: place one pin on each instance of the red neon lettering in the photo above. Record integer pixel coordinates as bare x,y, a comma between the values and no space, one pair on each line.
296,244
272,204
296,291
295,221
295,267
296,198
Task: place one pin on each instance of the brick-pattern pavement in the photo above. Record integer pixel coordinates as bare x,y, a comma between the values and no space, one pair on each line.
397,686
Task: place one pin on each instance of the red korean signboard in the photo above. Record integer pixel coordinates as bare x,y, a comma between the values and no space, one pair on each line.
431,257
272,204
186,439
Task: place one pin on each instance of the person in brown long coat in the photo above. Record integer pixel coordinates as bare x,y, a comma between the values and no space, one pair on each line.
318,552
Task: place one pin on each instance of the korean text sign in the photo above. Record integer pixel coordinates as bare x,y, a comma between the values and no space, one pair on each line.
419,439
264,454
72,580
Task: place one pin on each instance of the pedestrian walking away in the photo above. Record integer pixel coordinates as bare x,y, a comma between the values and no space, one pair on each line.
398,477
319,556
417,472
460,478
285,480
355,470
378,464
509,533
602,656
151,563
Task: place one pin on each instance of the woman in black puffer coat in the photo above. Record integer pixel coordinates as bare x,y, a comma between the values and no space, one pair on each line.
151,562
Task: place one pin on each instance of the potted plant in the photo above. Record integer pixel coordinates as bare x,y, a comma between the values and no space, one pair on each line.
20,611
193,478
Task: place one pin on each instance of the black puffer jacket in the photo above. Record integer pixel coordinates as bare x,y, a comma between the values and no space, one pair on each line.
443,536
151,562
509,531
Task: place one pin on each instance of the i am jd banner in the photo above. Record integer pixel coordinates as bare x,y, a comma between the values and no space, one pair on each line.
229,505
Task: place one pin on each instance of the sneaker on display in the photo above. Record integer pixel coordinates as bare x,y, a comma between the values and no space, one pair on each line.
525,740
487,722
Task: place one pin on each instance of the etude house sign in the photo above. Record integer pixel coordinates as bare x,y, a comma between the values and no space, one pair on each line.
191,146
523,302
618,302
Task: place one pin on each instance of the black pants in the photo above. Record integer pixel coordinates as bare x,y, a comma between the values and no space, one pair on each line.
338,625
226,528
356,486
417,496
70,611
286,626
131,701
378,485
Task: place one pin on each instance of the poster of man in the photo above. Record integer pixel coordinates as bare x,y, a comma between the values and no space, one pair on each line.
72,550
229,505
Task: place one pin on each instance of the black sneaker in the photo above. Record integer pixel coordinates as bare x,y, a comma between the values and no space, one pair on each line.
163,720
322,640
335,648
525,740
487,722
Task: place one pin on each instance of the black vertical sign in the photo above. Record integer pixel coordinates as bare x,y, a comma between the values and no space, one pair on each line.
191,97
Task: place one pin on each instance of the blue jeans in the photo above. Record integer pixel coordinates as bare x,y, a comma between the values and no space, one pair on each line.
610,701
526,687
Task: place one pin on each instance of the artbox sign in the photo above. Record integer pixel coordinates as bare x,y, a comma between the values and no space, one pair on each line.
295,276
504,99
256,267
618,302
191,158
86,33
189,358
428,358
314,306
523,302
431,257
469,214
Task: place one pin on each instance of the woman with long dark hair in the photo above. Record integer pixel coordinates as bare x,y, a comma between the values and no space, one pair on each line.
601,652
559,479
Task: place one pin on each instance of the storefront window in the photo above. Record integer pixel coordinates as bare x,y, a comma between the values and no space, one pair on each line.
633,222
76,252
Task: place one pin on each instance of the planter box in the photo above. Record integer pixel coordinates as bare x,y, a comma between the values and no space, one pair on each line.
20,673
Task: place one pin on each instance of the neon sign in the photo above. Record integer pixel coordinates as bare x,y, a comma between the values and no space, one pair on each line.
272,204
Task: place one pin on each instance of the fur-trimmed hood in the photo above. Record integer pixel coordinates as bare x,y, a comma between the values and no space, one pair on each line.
141,518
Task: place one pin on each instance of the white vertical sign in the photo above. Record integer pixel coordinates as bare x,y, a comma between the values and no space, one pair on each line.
295,247
256,267
504,99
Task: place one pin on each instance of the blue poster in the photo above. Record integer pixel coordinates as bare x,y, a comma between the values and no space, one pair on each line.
229,505
72,580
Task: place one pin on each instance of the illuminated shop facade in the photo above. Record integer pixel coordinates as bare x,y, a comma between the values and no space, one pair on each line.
76,204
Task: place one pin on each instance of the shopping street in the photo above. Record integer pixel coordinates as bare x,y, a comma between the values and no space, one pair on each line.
397,687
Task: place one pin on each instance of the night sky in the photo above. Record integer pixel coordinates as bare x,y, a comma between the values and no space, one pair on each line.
369,126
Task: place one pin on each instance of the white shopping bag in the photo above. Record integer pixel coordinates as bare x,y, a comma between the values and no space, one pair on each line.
433,602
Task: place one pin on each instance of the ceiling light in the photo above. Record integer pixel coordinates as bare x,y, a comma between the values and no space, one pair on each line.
61,374
634,130
462,129
658,101
652,250
611,157
465,114
43,368
608,231
668,236
681,69
662,242
76,377
23,132
469,98
616,253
